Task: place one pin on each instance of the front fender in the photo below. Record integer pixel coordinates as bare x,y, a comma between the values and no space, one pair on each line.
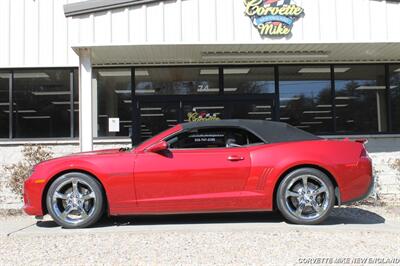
114,172
36,186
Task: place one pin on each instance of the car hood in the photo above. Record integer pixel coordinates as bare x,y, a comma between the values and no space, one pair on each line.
99,152
84,154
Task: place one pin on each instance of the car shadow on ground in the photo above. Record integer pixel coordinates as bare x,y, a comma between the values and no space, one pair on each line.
349,215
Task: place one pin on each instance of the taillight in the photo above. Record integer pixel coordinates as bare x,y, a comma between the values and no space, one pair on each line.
362,141
364,153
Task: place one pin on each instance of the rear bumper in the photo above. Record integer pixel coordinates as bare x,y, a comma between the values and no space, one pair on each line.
363,196
363,182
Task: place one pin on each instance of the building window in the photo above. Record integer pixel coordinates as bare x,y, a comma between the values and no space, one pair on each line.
41,103
113,101
394,92
305,97
249,80
360,99
176,81
4,104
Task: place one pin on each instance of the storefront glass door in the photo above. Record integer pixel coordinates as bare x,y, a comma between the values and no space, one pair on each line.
156,117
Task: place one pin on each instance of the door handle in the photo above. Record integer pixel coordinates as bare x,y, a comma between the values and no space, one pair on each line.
235,158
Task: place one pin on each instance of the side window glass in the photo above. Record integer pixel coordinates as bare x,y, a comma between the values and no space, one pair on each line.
199,138
213,138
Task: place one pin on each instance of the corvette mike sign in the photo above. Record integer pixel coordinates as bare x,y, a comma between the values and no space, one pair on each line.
273,17
202,116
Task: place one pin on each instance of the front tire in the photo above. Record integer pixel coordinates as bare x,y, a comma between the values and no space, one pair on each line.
306,196
75,200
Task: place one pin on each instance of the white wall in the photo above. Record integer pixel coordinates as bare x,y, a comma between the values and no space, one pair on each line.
223,21
36,33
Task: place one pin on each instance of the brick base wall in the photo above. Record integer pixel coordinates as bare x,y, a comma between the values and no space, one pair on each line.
387,178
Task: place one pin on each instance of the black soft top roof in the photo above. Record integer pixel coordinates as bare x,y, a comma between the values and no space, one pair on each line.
267,131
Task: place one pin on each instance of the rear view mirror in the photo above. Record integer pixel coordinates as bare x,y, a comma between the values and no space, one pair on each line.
159,146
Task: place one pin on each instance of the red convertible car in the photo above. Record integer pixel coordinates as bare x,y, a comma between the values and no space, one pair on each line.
214,166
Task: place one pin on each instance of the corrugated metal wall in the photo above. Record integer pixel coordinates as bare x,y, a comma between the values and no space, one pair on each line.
210,21
36,33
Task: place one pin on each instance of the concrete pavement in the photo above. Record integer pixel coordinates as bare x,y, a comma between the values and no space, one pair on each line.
351,235
353,218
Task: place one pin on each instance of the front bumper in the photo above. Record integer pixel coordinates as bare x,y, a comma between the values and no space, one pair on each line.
33,197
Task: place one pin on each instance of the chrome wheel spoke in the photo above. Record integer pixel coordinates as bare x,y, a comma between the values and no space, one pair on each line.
75,189
67,211
300,208
83,213
316,207
290,193
89,196
319,190
59,195
305,183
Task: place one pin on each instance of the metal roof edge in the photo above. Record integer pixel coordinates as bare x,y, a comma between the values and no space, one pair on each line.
90,6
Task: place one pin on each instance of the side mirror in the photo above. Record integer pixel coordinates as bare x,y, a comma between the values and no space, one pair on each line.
159,146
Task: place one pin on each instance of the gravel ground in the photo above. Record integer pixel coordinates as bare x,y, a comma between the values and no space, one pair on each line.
259,239
166,248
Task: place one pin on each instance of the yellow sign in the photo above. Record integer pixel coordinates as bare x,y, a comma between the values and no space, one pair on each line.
273,17
201,117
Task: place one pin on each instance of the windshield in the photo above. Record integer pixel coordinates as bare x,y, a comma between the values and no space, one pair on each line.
160,135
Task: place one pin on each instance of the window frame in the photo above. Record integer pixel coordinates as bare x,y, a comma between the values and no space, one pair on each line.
10,109
69,72
130,81
73,79
325,76
361,98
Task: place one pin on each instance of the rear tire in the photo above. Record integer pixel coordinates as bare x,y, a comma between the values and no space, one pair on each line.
306,196
75,200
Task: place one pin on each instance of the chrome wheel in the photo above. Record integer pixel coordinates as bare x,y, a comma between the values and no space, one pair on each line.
307,197
73,201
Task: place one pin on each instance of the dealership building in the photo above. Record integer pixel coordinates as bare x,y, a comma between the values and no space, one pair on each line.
112,72
82,75
104,71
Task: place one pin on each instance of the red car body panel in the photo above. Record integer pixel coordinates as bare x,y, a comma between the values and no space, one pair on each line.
203,180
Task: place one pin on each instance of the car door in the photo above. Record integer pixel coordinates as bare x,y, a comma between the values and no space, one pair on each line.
193,177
